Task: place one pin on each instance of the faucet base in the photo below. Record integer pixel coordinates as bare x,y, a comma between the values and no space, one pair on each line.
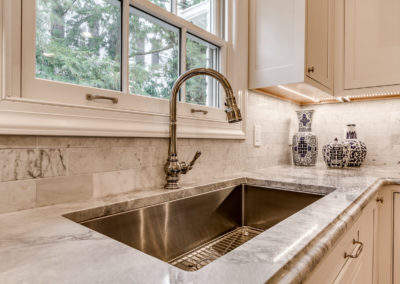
173,170
171,185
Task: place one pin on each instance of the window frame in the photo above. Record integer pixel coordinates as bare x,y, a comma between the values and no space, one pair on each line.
149,118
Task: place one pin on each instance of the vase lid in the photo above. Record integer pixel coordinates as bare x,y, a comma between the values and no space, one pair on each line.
336,142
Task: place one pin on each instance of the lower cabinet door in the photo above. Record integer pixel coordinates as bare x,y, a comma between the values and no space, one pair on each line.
358,242
396,238
359,265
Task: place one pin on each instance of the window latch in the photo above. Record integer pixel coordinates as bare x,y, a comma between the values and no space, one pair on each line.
91,97
198,110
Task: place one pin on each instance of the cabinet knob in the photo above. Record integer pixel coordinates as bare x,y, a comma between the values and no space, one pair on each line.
311,69
379,199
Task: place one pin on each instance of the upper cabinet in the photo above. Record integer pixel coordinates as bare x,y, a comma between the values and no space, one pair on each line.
372,43
319,40
276,54
315,50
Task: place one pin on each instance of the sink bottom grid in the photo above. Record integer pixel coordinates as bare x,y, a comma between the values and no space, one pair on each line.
203,255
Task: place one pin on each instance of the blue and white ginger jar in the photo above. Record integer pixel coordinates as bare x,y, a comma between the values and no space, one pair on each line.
358,149
336,154
305,143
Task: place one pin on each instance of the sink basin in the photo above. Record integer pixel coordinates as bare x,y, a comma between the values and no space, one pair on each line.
192,232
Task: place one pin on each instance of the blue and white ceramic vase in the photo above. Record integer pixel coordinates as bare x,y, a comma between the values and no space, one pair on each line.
305,143
336,154
358,149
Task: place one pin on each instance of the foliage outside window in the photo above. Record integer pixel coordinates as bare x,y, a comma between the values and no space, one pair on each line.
153,55
202,90
80,42
196,11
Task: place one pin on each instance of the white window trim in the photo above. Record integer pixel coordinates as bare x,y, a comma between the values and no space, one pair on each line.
28,116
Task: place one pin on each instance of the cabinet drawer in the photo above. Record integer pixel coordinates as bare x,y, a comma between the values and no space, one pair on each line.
335,268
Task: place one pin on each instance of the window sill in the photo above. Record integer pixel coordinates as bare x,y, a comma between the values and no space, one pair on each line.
28,117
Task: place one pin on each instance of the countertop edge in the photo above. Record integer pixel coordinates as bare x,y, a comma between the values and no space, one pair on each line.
306,260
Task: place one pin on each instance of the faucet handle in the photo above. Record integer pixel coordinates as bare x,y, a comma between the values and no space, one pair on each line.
196,156
185,167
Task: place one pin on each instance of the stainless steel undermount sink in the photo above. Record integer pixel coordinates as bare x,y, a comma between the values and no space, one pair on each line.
192,232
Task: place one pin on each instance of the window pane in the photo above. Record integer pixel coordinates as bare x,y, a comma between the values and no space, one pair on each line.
196,11
166,4
202,90
79,42
153,55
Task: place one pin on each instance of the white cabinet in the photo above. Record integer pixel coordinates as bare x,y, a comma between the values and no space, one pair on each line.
319,40
277,32
384,256
344,48
351,260
396,237
290,44
388,251
372,43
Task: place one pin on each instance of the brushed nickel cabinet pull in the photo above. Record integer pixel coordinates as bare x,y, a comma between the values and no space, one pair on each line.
358,252
198,110
91,97
379,199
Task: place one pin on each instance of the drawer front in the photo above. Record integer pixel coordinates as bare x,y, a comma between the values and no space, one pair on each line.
359,270
335,267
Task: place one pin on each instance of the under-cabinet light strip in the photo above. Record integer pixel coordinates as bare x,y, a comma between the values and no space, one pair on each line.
298,93
362,96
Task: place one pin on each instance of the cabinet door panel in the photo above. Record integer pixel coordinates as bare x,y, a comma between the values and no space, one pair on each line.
277,29
396,238
372,43
385,244
319,41
360,270
337,269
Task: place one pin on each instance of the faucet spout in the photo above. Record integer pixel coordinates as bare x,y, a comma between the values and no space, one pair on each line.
173,168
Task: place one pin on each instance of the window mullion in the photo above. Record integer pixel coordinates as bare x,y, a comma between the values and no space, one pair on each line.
183,61
174,4
216,17
125,46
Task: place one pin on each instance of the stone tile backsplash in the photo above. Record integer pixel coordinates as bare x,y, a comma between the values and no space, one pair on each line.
38,170
378,125
20,164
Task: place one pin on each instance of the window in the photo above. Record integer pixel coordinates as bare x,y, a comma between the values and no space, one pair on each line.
153,55
166,4
125,53
199,12
202,90
79,42
196,11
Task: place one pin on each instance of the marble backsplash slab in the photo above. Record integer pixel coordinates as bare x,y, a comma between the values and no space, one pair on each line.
21,164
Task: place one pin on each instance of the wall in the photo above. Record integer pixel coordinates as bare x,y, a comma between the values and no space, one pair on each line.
378,125
38,171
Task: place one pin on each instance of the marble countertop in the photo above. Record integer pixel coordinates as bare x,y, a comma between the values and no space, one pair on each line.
42,246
